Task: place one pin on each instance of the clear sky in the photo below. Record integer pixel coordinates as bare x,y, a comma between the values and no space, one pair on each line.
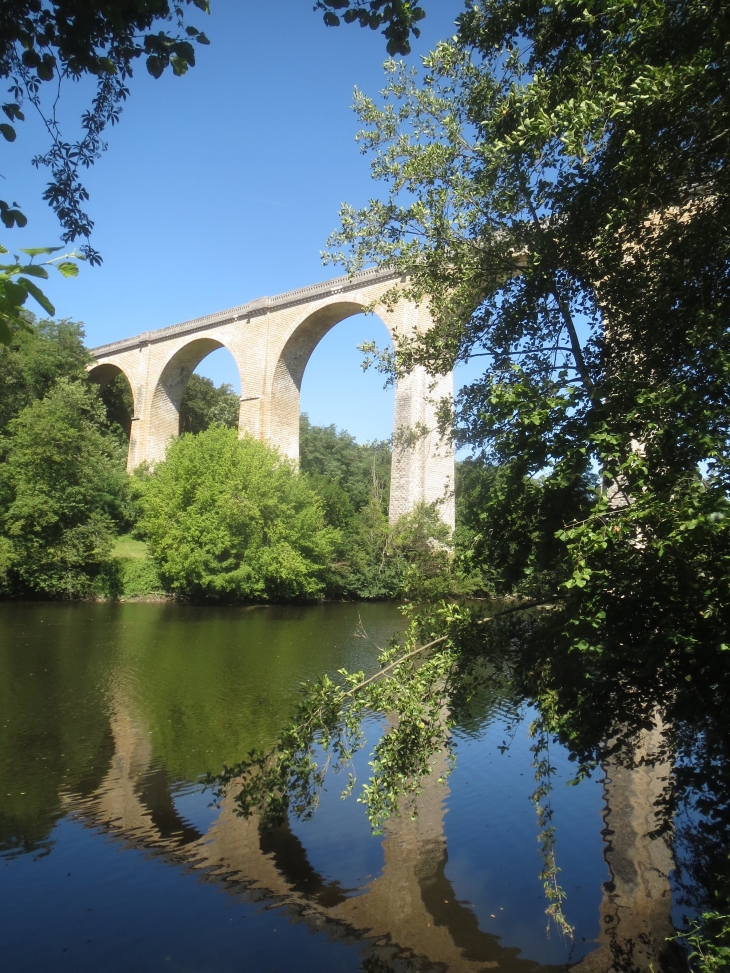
222,186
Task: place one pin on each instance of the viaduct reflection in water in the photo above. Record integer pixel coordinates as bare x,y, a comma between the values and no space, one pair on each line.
409,913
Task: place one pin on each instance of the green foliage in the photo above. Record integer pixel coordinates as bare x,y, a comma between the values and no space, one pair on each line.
63,491
16,288
373,558
709,942
415,685
230,519
140,577
35,360
204,405
330,455
557,188
507,524
119,404
399,17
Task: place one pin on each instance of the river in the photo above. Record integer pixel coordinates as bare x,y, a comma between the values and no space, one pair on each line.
113,858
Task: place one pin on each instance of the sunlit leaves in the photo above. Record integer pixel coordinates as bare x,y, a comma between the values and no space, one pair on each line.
16,288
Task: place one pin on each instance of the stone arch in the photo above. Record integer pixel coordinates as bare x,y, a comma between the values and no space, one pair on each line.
271,340
164,418
120,408
105,373
422,468
291,364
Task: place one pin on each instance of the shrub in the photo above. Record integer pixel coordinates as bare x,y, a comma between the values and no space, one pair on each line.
231,519
63,492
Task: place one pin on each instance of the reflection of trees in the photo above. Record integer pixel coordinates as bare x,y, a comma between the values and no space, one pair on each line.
55,730
121,777
410,909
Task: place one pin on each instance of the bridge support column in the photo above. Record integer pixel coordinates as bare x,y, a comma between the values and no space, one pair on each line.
423,463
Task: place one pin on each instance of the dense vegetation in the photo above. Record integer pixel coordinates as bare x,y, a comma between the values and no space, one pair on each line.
221,519
556,183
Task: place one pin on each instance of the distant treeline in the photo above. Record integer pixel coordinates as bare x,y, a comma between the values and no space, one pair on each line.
221,519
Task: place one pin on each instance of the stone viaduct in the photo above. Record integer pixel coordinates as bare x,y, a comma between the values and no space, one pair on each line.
271,340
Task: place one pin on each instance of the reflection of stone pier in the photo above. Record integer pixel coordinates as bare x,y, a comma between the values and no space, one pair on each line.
636,909
410,909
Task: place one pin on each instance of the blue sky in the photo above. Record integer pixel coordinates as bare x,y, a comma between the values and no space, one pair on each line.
222,186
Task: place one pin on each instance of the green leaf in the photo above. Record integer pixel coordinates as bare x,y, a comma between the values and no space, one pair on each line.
38,294
68,269
8,132
36,251
15,292
36,271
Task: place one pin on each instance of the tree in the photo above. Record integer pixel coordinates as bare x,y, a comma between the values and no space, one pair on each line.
63,493
399,17
557,188
230,519
35,360
331,455
44,43
59,41
203,404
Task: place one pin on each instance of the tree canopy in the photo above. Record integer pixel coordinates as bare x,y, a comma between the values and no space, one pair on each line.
556,186
63,492
230,519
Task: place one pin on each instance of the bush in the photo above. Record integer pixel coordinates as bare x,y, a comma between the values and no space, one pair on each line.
230,519
140,577
63,493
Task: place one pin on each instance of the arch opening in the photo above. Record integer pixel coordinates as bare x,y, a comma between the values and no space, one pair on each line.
290,369
117,394
167,399
212,395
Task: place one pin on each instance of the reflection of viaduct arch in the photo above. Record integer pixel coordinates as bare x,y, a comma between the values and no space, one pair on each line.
271,341
410,906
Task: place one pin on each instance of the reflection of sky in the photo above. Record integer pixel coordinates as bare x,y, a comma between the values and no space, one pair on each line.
105,903
95,905
337,838
491,830
195,806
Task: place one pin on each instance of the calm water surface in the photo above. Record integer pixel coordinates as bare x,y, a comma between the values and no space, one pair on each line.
113,859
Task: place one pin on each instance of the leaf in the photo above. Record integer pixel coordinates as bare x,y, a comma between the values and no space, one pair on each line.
6,335
36,271
68,269
8,132
11,217
38,294
36,251
155,66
